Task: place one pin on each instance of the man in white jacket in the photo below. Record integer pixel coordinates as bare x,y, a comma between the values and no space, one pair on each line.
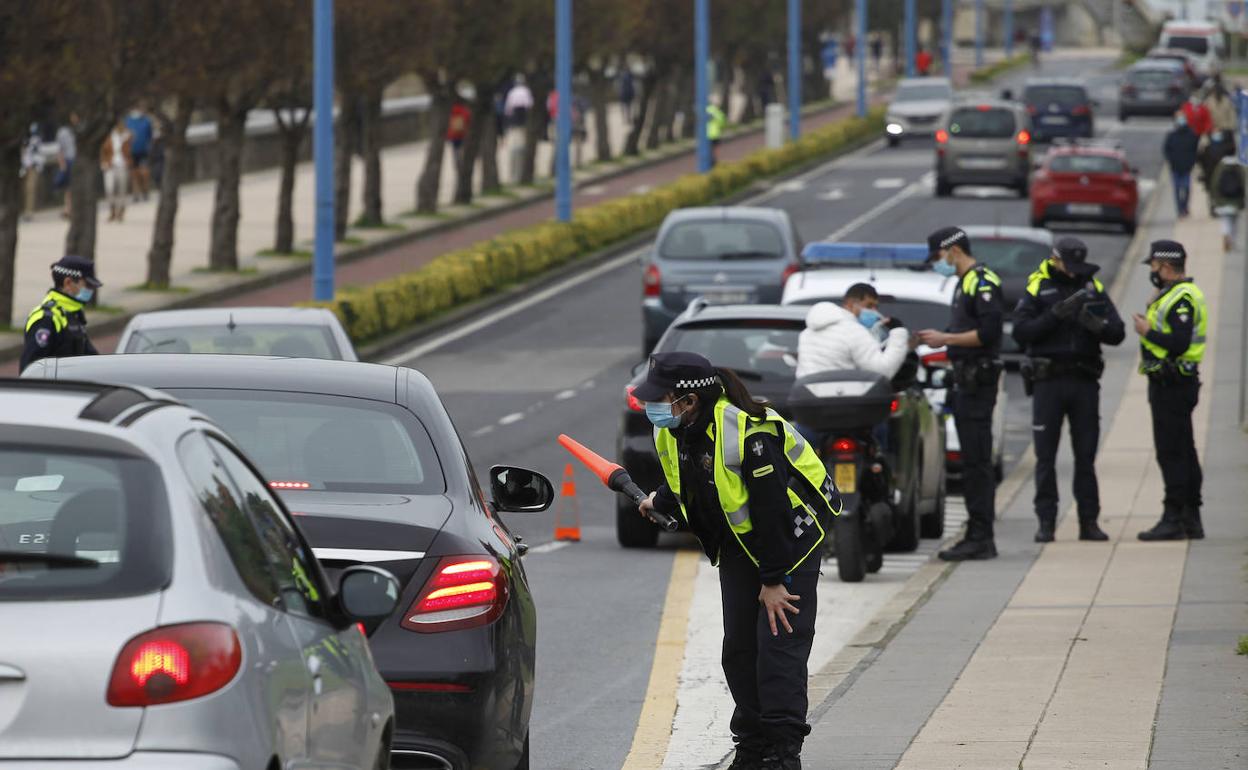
840,337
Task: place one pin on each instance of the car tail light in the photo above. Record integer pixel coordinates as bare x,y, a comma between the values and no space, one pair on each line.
1081,109
936,358
895,405
463,592
633,403
651,281
1023,138
842,446
1031,109
942,136
953,456
983,107
788,273
428,687
289,485
174,663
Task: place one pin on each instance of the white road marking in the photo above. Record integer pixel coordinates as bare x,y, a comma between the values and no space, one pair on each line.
479,432
553,545
888,183
835,194
513,417
791,185
564,395
858,221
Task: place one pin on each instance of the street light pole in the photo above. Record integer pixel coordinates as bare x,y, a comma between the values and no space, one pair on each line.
323,147
910,41
979,33
1009,28
860,51
795,69
946,33
701,50
563,118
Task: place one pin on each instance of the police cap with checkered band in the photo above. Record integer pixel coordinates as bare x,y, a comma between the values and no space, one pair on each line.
676,372
73,266
945,238
1172,251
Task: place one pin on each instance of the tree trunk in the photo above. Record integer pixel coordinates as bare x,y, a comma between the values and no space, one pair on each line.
84,185
430,182
293,134
728,75
370,142
482,115
160,254
632,146
599,102
346,141
10,211
231,131
662,109
535,129
490,183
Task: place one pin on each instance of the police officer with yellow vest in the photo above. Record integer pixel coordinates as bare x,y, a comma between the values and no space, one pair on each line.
1062,321
1172,344
759,499
973,340
57,328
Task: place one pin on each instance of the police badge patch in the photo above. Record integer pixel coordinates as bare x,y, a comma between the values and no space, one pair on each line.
43,337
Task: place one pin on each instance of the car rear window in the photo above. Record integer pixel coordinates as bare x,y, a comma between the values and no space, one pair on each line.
1067,96
917,92
78,525
1155,78
722,240
295,341
757,349
324,442
1197,44
1009,256
982,123
1085,164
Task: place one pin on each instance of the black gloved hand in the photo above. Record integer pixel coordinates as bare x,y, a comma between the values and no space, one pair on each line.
1067,308
1091,321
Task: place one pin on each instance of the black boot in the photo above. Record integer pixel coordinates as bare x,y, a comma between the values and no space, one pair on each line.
749,755
1090,530
970,549
1044,533
783,756
1169,528
1191,523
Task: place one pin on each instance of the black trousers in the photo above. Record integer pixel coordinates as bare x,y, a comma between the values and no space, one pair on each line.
766,674
1075,398
972,412
1172,404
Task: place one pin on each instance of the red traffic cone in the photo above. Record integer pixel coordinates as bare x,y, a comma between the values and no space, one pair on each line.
568,506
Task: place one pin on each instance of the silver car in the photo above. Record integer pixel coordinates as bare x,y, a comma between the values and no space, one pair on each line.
293,332
159,608
917,107
984,142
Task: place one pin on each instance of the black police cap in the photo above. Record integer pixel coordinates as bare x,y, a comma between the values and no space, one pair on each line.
947,237
74,266
1074,255
1169,250
672,372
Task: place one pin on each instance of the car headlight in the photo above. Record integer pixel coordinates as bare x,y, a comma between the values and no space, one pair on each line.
893,127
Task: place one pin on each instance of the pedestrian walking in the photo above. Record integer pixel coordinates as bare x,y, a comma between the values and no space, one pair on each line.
850,43
627,92
518,103
1226,198
1172,344
1221,108
31,171
57,327
66,153
758,499
716,120
1062,320
1180,151
877,51
923,62
973,340
115,162
140,127
1197,115
457,126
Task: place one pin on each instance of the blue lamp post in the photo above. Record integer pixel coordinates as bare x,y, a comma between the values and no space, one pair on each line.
323,147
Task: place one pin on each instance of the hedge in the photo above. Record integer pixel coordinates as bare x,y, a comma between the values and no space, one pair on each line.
459,277
991,72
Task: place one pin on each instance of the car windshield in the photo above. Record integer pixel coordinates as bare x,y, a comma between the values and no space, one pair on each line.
912,313
916,92
1011,256
717,239
1197,44
1085,164
294,341
982,123
1066,96
758,349
327,443
1155,78
79,525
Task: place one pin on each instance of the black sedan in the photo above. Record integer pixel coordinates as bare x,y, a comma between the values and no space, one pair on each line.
759,343
367,459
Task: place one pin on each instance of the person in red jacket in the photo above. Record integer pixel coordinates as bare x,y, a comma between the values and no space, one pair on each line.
1198,117
923,62
457,126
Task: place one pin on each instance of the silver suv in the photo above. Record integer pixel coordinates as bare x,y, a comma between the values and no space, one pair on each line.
159,607
984,142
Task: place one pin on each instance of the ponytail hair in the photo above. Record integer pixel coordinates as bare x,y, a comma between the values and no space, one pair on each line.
736,393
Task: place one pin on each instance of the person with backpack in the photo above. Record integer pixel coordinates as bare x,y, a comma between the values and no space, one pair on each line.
1226,197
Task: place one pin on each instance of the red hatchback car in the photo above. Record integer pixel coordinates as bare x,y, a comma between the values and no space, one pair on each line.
1086,183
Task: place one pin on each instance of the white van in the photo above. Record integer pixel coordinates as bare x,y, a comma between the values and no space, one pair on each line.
1204,39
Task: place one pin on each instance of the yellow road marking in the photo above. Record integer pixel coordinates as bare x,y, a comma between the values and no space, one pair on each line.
654,726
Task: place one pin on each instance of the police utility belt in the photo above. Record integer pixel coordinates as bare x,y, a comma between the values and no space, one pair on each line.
970,375
1038,369
1168,371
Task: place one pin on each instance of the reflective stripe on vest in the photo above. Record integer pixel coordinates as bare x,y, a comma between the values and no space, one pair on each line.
56,305
1042,273
1158,318
970,281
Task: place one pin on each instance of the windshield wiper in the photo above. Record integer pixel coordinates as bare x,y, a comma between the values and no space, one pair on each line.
154,344
52,560
747,255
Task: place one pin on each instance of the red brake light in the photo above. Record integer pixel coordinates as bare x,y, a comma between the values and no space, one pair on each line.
174,663
1024,137
651,281
1031,109
633,403
894,406
942,136
844,445
983,107
953,456
1081,109
788,273
289,485
936,358
463,592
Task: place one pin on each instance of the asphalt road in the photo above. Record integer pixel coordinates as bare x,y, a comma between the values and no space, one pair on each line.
559,364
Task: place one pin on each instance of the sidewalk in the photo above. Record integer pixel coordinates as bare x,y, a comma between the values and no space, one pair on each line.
1084,655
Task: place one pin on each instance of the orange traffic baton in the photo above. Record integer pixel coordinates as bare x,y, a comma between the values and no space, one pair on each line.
614,477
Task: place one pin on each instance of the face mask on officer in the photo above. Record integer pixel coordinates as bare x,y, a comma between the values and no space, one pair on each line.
943,266
662,415
84,294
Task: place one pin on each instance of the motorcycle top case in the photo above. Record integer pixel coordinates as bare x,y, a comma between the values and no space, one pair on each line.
844,400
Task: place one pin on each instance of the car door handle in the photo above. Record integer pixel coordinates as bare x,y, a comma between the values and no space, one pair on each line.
11,673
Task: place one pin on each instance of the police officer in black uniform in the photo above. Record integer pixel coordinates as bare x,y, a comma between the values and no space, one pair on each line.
57,327
759,499
973,339
1061,321
1172,344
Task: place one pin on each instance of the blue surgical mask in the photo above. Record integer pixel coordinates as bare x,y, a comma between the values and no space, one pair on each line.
660,415
944,268
85,294
868,317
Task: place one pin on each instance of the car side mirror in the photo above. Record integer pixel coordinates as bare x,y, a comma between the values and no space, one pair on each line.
519,490
367,594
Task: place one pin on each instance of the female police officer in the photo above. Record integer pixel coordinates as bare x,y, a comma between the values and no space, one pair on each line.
758,498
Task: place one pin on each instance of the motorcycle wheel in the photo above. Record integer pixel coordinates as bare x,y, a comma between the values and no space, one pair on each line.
851,557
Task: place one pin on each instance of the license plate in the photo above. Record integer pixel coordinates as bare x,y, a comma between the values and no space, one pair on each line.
1083,208
845,476
978,163
1152,96
726,297
1055,120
